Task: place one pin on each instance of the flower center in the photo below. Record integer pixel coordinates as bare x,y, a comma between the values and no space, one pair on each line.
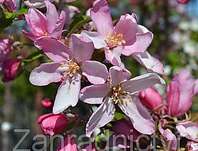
70,68
118,94
115,39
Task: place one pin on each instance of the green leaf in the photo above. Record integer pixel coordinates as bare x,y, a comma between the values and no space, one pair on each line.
78,21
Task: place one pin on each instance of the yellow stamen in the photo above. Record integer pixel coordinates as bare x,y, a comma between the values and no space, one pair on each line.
115,39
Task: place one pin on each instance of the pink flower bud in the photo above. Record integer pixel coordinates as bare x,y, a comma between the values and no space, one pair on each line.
150,98
47,103
10,69
52,124
183,1
180,93
69,144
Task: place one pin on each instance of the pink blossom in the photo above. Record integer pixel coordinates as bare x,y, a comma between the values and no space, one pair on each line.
119,90
151,98
52,124
5,49
68,66
180,93
10,69
126,37
41,25
69,144
47,103
188,130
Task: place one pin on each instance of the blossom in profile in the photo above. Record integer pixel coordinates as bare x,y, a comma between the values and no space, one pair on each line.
41,25
52,124
5,49
126,37
68,66
120,91
180,93
47,103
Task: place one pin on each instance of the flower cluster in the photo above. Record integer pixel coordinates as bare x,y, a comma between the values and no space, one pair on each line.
103,85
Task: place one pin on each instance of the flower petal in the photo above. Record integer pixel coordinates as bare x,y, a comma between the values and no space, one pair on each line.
51,15
151,63
53,48
94,94
97,39
82,47
36,22
118,74
143,40
103,115
127,26
140,117
45,74
142,82
100,14
170,139
95,72
67,94
188,130
113,56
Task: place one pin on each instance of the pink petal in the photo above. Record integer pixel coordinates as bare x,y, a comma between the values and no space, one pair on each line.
170,139
103,115
67,94
82,48
173,98
128,28
142,82
140,117
97,39
94,94
113,56
100,14
188,130
143,40
45,74
151,63
95,72
58,28
53,48
117,75
36,22
51,15
69,144
196,87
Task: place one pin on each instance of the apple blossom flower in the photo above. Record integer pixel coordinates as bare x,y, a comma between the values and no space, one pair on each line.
126,37
69,144
41,25
118,90
52,124
10,69
68,66
180,93
151,98
188,130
